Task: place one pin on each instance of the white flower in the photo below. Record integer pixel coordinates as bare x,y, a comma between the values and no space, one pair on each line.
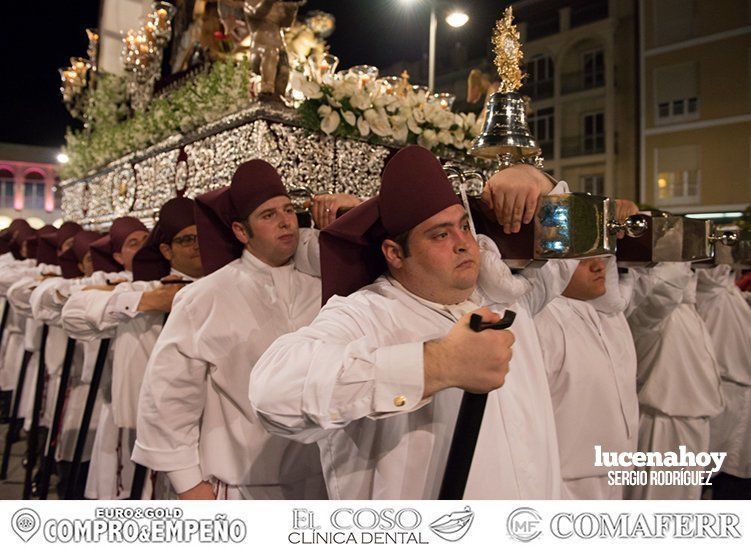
428,139
401,132
419,115
458,138
311,90
385,99
444,120
444,137
379,122
349,117
413,126
333,102
324,111
330,123
360,101
363,127
343,89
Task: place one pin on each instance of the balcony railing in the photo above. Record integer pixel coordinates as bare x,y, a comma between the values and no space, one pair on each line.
579,81
583,145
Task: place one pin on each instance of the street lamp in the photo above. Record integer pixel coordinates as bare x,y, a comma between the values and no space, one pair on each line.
455,18
62,158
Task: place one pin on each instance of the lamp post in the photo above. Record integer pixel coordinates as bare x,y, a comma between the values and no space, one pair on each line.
455,18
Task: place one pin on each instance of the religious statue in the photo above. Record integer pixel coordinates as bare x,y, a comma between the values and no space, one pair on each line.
263,22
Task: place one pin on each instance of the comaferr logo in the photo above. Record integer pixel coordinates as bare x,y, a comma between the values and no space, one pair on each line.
641,525
524,524
454,526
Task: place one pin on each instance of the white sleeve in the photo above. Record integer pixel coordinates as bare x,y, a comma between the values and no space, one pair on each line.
10,276
546,283
496,280
308,253
552,343
331,373
19,294
618,290
657,292
46,305
172,398
83,315
183,480
121,307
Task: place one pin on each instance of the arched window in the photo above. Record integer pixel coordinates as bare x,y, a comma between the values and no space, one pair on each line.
6,189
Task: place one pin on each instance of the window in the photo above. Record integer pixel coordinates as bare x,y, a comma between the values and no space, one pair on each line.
6,192
539,83
593,133
541,124
593,184
678,175
676,93
678,184
33,196
593,69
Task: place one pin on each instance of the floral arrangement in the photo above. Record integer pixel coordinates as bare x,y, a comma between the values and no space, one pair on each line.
210,95
346,105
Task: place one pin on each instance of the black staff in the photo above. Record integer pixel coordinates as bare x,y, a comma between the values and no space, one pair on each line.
14,424
101,359
32,444
468,424
4,394
48,462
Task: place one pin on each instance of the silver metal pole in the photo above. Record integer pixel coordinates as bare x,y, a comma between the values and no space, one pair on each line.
431,51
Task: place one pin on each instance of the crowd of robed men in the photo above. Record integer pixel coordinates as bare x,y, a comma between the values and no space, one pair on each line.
247,357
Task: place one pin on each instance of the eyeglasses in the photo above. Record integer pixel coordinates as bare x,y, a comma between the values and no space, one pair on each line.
185,241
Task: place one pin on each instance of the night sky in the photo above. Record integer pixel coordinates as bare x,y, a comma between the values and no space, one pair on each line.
34,45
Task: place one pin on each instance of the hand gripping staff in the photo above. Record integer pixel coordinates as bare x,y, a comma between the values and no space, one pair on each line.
468,424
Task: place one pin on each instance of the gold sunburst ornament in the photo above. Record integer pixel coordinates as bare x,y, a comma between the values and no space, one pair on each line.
508,53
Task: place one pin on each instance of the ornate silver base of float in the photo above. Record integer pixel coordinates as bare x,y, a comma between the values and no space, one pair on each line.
190,165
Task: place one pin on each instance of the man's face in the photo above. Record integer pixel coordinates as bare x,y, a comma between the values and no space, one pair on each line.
86,266
273,231
66,245
588,281
183,253
132,244
444,259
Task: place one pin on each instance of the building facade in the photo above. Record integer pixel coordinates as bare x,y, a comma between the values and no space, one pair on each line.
28,176
580,60
696,104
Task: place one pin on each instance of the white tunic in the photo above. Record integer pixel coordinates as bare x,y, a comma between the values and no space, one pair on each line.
194,418
99,314
335,382
677,370
46,306
591,366
728,318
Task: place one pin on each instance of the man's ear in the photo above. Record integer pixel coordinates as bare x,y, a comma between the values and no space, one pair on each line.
240,233
393,253
117,256
166,251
